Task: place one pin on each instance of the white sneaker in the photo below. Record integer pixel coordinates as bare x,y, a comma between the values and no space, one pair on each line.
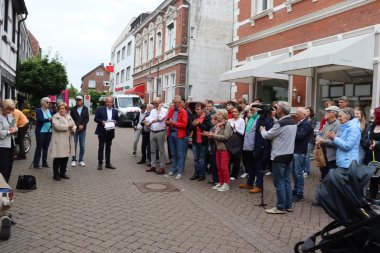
217,186
268,173
73,164
245,175
224,187
305,175
179,176
232,178
82,164
134,154
170,174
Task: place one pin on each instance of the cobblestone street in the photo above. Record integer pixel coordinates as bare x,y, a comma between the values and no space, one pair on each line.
104,211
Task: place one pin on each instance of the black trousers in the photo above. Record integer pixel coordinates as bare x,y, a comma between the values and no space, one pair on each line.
145,146
59,166
6,162
325,170
235,161
107,142
20,139
248,162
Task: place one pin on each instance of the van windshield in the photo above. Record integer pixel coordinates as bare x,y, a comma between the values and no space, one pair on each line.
129,102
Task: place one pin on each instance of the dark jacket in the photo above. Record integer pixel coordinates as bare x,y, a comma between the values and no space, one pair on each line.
81,119
100,116
205,126
304,130
40,120
262,147
190,118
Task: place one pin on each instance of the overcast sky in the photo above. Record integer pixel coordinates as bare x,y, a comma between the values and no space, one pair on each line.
82,31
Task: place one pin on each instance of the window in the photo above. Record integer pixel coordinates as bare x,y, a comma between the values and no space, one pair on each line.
170,82
123,53
91,84
117,78
261,5
129,48
145,49
159,43
99,73
122,76
170,36
138,55
151,48
6,10
159,87
128,73
118,57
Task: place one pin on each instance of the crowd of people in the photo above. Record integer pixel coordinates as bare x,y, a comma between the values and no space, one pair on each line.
266,139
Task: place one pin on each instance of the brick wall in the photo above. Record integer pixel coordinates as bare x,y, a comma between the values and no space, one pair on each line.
99,81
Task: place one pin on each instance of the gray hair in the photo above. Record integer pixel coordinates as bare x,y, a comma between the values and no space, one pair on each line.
349,112
177,97
8,103
44,99
284,107
224,113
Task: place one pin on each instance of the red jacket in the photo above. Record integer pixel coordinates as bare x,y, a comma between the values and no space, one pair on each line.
181,123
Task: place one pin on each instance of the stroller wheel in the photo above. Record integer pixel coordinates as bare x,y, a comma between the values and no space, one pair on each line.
5,229
297,247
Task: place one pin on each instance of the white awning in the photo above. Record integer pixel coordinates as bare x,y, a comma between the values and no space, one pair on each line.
261,68
356,52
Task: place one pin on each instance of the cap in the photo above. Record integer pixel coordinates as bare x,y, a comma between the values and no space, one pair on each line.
79,97
332,108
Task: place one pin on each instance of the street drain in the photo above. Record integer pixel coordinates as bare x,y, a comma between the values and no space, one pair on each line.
156,187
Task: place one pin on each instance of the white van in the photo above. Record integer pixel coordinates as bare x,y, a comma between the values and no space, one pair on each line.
128,106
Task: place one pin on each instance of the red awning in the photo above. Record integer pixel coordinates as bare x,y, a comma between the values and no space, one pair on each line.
138,90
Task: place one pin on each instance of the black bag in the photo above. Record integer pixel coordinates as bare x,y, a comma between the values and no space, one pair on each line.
234,144
26,182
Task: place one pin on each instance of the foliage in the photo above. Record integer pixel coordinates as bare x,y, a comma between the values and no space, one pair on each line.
41,77
73,92
95,95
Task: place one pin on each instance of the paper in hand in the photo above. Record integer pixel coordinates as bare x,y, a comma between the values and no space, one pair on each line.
109,125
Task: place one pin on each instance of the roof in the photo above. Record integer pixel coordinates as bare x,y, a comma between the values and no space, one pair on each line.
100,66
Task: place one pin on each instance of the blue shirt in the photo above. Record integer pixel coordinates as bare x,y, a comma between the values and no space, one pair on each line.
79,110
46,127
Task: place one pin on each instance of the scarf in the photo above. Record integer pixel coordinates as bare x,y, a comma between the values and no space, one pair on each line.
250,122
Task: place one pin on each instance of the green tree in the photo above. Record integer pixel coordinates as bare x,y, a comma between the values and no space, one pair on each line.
73,92
42,76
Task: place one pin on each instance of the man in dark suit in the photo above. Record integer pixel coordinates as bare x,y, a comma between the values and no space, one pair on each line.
80,115
105,130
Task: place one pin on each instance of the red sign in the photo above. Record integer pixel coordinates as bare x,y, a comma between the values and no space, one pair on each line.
109,68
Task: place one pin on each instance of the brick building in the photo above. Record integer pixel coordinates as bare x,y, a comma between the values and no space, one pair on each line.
306,51
97,79
180,49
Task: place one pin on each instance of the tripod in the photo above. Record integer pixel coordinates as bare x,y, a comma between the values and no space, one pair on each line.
262,204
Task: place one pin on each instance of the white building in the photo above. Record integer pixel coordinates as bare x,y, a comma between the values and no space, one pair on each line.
12,15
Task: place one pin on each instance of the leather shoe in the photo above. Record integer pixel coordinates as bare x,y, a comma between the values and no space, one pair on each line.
141,162
151,169
109,166
100,167
160,171
65,177
46,165
37,167
201,178
194,177
56,178
245,186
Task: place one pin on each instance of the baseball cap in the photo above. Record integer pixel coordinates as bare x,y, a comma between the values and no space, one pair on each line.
79,97
332,108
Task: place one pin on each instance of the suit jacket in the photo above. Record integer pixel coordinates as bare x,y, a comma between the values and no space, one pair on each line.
100,116
81,119
304,130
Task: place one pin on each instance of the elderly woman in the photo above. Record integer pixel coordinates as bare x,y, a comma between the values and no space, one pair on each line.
63,140
348,140
7,131
43,133
222,133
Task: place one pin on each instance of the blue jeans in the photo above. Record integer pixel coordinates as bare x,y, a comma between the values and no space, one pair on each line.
298,166
199,152
310,147
43,142
81,136
281,180
177,150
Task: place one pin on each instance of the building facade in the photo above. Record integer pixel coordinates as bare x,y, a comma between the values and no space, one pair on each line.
97,79
180,49
306,51
14,39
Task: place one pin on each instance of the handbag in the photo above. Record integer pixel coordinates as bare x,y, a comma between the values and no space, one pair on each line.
234,144
319,157
26,182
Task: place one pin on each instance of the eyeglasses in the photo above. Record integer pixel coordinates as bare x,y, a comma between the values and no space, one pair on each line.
47,102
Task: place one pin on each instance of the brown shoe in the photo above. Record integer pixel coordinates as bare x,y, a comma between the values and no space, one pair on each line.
160,171
256,190
151,169
245,186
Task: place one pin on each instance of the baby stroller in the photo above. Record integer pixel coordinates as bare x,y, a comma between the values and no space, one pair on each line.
356,225
6,199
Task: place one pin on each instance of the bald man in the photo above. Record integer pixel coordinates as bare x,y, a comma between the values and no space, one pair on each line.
304,129
103,115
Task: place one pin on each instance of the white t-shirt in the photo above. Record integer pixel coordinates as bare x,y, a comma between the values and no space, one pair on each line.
238,125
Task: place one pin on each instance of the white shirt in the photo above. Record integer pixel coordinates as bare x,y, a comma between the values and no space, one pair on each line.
161,116
142,115
238,125
109,113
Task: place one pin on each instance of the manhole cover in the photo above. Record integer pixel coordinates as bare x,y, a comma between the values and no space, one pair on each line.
156,187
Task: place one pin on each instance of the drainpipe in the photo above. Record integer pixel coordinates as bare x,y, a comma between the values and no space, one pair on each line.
18,46
187,85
